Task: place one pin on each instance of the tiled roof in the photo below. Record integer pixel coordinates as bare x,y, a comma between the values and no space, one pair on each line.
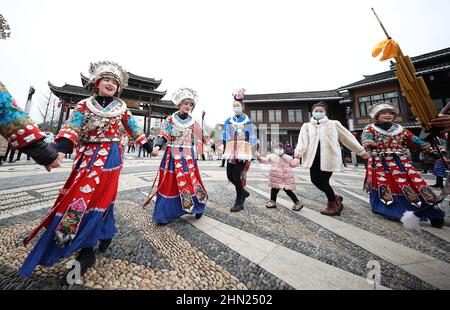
143,78
132,76
78,90
70,89
390,76
429,56
297,96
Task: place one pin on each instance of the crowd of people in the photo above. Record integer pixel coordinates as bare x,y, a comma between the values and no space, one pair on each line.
82,218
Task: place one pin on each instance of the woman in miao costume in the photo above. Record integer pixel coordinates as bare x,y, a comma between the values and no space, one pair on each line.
397,190
180,188
83,212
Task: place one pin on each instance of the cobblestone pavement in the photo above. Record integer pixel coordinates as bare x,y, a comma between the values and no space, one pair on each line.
319,252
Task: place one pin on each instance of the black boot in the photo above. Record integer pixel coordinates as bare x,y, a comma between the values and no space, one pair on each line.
86,259
104,245
439,182
198,215
246,194
438,223
239,204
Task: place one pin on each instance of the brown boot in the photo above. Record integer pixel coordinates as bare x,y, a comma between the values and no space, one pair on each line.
332,209
339,200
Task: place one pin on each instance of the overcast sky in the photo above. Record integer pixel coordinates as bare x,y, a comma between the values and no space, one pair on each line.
215,46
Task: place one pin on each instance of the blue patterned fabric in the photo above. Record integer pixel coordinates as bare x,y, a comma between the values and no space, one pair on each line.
229,131
166,208
9,111
133,126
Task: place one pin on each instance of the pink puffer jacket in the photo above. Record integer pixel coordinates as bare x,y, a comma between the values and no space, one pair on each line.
281,175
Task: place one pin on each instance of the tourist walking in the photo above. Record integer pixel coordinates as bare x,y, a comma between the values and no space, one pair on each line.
318,146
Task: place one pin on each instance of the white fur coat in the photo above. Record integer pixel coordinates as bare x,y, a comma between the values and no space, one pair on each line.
329,133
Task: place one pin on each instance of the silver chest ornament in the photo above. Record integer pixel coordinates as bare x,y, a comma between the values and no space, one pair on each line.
182,133
239,126
100,123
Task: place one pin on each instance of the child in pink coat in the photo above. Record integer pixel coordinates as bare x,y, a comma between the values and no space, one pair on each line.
281,176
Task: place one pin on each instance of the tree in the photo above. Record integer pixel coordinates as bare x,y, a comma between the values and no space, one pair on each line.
48,109
4,28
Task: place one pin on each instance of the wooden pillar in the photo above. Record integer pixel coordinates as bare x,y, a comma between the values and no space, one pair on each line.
67,112
149,118
145,123
61,114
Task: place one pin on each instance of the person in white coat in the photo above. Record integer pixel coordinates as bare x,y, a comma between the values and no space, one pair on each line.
318,146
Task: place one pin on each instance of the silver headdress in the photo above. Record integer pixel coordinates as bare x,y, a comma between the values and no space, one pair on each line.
239,94
108,69
184,93
380,107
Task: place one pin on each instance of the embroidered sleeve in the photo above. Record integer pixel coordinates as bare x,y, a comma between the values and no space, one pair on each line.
226,129
132,128
250,134
368,138
166,128
15,124
415,142
72,128
201,134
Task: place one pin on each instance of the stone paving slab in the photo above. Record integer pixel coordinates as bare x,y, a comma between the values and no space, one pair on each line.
298,270
443,233
256,248
425,267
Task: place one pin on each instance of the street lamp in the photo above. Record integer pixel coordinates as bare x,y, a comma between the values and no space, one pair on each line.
30,96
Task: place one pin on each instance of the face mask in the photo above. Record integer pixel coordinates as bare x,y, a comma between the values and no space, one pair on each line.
319,115
237,111
279,152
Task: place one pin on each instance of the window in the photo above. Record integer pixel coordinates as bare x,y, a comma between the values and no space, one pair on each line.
295,116
271,116
376,98
390,95
438,103
363,105
275,116
366,102
278,117
257,116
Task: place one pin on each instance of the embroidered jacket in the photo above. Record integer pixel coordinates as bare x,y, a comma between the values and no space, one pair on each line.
180,132
15,124
239,136
90,123
393,141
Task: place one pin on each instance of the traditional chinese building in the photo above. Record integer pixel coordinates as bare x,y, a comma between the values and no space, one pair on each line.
433,67
349,104
283,114
141,97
